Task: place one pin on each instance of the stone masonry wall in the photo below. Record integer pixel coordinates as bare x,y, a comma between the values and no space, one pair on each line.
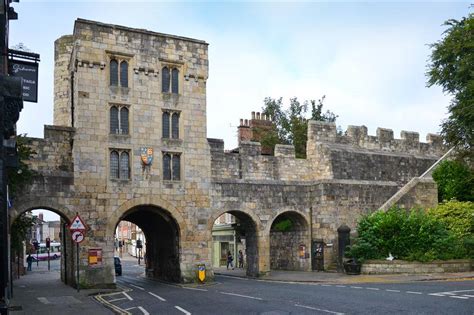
400,266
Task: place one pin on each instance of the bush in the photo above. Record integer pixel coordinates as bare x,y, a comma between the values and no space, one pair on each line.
409,235
455,181
458,216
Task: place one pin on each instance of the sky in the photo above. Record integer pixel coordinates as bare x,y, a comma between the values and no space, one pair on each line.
368,58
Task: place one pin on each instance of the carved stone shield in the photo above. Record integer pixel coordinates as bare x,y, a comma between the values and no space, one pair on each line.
147,155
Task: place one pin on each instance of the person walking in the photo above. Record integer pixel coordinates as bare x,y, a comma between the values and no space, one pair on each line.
230,259
29,261
241,259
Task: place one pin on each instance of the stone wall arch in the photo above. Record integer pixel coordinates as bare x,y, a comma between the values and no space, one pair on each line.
47,203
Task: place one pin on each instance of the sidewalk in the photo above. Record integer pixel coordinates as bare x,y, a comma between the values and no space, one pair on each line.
341,278
42,292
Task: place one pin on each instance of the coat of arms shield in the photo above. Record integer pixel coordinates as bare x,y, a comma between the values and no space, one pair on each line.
147,155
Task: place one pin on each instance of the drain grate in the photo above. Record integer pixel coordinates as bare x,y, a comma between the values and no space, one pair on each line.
15,308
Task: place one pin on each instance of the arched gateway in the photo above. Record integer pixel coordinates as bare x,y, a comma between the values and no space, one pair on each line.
138,152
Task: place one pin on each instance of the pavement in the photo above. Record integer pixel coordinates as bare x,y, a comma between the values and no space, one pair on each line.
341,278
41,292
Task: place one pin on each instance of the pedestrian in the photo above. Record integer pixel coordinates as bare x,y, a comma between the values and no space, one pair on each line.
230,259
241,259
29,261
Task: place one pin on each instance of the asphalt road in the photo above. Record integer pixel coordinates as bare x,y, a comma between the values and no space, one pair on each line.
241,296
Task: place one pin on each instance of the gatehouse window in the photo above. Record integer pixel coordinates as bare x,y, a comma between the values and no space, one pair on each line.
119,164
169,80
170,124
171,166
119,120
119,78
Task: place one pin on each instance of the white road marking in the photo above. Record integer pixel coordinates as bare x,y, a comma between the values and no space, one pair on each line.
318,309
130,308
182,310
375,289
128,296
340,286
414,292
136,286
436,294
44,300
240,295
325,285
195,289
356,287
157,296
468,295
143,310
114,300
388,290
459,297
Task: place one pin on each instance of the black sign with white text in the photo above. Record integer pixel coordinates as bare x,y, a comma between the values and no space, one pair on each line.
29,72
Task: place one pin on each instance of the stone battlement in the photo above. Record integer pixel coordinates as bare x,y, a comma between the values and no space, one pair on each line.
384,140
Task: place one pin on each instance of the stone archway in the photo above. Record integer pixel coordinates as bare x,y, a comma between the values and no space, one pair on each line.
162,225
290,241
68,263
248,230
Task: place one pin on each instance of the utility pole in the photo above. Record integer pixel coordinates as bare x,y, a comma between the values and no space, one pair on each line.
11,104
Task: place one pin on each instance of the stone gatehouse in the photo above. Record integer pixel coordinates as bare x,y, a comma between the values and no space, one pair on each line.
129,143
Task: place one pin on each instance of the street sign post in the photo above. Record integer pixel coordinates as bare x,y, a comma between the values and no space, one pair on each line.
48,246
78,229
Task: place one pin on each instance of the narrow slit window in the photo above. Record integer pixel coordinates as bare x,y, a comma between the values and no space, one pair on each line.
113,72
166,167
176,167
124,120
175,126
166,125
114,120
124,74
175,81
124,166
114,165
165,77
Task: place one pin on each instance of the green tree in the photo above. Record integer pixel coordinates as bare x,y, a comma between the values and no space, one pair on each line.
19,177
291,125
455,181
451,66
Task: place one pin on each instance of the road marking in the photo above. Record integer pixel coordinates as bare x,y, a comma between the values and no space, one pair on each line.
388,290
182,310
136,286
157,296
114,300
469,295
195,289
128,296
44,300
240,295
356,287
459,297
436,294
414,292
318,309
326,285
340,286
143,310
130,308
375,289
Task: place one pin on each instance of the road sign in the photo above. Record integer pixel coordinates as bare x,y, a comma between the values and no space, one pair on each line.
77,224
77,236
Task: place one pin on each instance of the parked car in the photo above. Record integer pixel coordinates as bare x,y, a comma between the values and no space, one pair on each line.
118,266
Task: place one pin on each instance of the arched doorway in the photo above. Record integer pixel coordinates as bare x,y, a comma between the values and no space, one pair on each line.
42,226
235,231
290,242
160,241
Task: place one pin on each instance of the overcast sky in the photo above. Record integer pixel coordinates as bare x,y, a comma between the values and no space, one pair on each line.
368,58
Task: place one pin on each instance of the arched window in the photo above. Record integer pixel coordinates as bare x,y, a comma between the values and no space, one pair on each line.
176,167
166,125
124,74
124,166
124,120
165,78
175,126
114,165
166,167
175,81
113,72
114,120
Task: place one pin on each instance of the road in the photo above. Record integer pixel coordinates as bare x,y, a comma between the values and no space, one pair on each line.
247,296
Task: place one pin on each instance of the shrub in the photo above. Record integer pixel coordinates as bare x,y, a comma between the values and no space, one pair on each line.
455,181
458,216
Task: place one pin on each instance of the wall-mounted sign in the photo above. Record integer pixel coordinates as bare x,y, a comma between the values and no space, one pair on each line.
95,257
146,154
28,71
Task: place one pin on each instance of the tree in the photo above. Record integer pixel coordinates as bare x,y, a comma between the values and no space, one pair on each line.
451,66
455,181
291,125
21,176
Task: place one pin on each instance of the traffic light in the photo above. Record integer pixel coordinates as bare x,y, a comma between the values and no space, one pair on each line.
48,243
139,244
36,245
